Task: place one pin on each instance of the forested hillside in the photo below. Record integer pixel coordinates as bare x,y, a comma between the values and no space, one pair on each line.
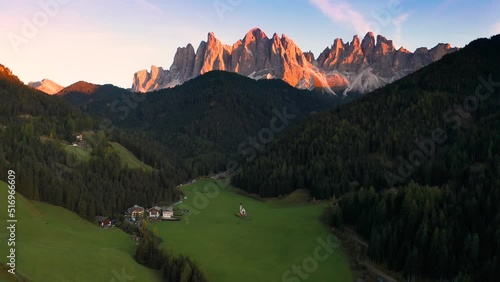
201,122
33,130
439,127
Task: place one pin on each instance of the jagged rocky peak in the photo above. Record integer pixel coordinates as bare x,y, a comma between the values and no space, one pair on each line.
359,65
276,38
440,50
403,50
368,41
355,41
309,56
384,45
184,61
255,34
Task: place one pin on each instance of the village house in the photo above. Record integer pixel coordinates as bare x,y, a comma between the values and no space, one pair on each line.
103,221
136,211
79,137
167,212
154,212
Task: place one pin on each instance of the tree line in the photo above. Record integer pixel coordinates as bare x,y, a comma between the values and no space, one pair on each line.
172,268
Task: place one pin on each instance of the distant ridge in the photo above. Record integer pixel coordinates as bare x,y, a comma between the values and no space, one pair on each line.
47,86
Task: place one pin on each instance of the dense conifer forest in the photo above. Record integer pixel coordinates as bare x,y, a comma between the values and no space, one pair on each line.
32,126
438,127
201,122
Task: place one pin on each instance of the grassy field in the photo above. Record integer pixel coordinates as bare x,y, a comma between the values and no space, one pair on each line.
128,158
80,153
262,247
7,277
54,244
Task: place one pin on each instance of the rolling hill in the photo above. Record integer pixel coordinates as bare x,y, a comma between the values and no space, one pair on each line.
50,237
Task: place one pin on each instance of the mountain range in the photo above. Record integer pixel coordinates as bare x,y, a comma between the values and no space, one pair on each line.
357,66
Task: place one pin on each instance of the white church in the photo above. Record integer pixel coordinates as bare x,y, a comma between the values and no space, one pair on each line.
242,210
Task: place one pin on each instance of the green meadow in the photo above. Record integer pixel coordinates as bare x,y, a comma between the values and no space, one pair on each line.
54,244
275,235
126,157
129,159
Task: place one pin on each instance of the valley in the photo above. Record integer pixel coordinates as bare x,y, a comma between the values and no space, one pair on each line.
275,236
283,158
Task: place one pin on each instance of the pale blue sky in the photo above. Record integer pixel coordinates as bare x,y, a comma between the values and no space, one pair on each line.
107,41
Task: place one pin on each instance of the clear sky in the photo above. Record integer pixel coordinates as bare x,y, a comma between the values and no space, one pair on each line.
107,41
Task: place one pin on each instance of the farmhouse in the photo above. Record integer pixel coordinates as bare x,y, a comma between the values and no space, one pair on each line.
136,211
103,221
154,212
167,212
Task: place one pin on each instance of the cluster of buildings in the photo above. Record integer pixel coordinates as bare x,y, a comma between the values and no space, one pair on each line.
79,142
136,212
156,212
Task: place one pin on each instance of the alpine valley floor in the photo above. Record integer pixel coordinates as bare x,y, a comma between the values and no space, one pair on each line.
264,246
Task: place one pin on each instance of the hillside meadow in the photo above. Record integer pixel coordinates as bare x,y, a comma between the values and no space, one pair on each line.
275,236
54,244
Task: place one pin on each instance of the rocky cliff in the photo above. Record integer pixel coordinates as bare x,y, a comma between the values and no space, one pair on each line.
358,66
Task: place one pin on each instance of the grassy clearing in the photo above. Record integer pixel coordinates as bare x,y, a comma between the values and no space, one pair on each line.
298,197
54,244
275,236
7,277
88,136
128,158
79,152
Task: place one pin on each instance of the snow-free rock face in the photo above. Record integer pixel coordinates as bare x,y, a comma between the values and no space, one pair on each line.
48,86
359,65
